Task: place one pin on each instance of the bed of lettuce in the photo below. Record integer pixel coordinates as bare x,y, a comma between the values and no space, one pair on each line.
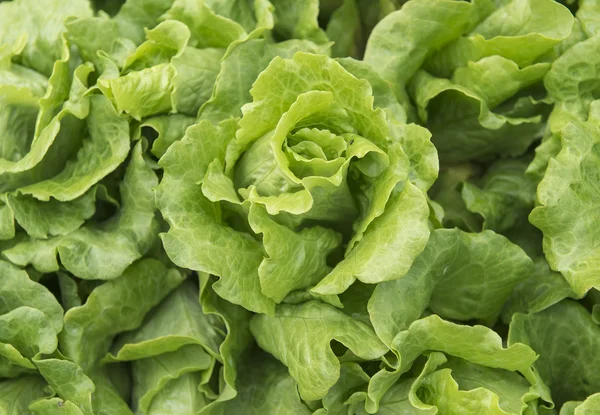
298,207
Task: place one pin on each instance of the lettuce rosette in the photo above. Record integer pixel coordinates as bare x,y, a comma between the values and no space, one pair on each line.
158,61
298,193
475,84
66,189
47,365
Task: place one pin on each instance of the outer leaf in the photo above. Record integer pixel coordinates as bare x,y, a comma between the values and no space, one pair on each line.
298,19
476,344
541,290
352,378
462,122
568,211
588,407
378,249
55,406
106,400
17,394
28,330
233,256
232,87
564,335
238,339
42,219
68,381
86,337
176,322
179,396
265,387
398,45
153,374
104,250
513,24
43,25
136,15
459,275
106,148
503,196
464,387
18,290
300,337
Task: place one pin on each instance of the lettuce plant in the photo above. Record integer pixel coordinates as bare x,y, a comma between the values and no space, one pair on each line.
308,207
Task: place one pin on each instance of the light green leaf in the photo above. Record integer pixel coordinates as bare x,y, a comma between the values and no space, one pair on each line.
476,344
207,28
52,218
588,14
87,337
401,227
59,120
505,32
17,290
28,330
68,381
459,275
42,23
7,220
176,322
300,337
568,204
399,44
196,71
294,260
279,86
168,128
570,82
101,153
179,396
232,87
153,374
55,406
265,387
397,108
17,394
102,250
461,386
567,340
588,407
185,208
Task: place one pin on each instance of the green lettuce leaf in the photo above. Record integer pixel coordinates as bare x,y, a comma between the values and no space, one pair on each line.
562,335
105,249
459,275
567,205
86,338
300,337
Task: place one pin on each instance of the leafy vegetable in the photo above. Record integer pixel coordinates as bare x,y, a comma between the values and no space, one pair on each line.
326,207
